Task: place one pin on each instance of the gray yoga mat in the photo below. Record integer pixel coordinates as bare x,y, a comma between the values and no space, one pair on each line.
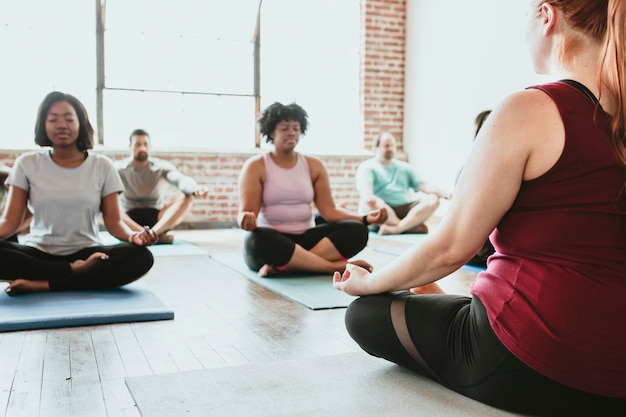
346,385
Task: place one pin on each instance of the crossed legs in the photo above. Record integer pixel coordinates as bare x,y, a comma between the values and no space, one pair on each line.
413,221
324,249
97,267
167,218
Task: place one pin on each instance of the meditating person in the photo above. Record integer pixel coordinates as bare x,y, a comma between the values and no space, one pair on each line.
277,190
543,332
145,180
66,187
386,182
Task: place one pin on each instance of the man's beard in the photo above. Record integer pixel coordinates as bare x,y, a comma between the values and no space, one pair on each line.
141,156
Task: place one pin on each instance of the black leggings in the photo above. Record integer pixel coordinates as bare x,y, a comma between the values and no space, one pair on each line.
266,246
126,264
448,339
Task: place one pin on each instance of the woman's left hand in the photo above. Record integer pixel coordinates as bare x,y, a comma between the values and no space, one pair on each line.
146,237
378,216
353,281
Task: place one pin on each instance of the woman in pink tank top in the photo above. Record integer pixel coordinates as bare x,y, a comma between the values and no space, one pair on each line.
544,330
277,191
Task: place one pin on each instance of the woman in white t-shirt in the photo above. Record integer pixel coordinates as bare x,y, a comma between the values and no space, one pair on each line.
66,187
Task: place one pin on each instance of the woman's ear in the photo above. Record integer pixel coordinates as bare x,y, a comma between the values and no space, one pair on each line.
548,17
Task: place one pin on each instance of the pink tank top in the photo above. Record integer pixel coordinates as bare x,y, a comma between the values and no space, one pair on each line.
555,290
287,197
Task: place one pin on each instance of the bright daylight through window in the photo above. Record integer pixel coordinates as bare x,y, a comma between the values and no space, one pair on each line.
184,70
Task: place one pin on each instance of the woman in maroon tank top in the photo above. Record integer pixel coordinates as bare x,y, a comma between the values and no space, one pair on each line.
543,332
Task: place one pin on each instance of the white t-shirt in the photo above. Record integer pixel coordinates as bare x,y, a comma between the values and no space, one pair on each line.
65,202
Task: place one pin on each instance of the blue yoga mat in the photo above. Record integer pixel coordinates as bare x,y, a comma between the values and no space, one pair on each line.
79,308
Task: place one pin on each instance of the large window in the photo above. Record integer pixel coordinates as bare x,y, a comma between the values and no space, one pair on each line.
181,70
44,46
310,55
184,70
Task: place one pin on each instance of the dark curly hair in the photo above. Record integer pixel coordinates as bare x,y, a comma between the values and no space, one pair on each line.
85,132
277,113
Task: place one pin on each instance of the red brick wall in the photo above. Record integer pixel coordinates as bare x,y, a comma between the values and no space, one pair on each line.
219,172
382,68
382,106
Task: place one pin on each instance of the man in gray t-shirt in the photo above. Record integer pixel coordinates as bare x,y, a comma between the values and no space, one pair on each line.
145,185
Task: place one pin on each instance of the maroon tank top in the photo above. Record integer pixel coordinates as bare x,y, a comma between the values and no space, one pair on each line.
555,290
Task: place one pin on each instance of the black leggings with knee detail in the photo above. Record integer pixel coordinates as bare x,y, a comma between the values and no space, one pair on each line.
448,338
267,246
126,264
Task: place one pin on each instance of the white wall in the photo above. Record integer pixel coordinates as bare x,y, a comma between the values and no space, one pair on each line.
462,57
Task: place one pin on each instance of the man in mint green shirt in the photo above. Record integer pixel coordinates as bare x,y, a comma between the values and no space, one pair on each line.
384,181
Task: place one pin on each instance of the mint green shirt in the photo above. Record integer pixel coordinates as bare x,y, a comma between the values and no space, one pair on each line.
390,183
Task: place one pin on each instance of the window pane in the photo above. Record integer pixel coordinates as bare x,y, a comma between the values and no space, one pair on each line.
192,46
45,47
177,120
310,55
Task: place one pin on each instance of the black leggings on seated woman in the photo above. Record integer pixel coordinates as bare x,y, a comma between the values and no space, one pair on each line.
267,246
448,338
126,263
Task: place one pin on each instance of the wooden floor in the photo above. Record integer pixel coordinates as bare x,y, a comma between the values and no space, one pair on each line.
222,319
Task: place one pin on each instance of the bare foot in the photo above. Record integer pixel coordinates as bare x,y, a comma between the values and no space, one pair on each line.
23,286
267,270
432,288
81,265
363,264
386,229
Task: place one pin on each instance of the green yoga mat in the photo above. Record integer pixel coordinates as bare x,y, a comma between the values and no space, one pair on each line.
131,303
178,248
410,238
397,251
313,291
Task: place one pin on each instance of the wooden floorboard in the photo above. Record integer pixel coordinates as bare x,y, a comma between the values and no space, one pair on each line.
222,319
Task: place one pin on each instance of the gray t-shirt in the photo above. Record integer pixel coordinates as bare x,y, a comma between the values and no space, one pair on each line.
65,202
146,188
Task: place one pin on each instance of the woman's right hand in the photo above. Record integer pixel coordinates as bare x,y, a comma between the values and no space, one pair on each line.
352,281
247,220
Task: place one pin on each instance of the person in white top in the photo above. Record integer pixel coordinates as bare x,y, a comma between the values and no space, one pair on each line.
66,188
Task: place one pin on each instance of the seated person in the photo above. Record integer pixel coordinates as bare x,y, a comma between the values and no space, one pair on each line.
25,226
67,187
277,190
384,181
145,181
